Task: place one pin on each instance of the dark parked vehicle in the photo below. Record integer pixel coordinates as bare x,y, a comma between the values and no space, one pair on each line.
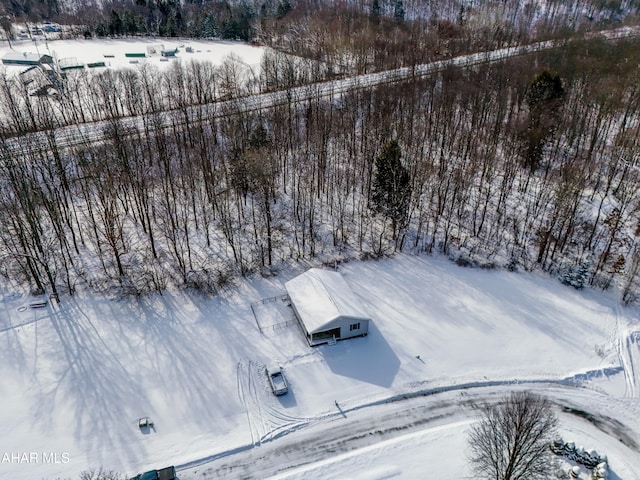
277,381
168,473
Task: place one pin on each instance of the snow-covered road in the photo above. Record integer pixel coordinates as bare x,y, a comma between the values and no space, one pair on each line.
425,432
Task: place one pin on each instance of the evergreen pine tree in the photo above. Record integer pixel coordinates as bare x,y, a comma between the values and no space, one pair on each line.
374,10
284,7
575,275
398,11
208,26
544,89
544,97
115,25
391,186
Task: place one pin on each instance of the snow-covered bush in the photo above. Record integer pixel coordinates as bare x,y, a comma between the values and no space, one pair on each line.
575,275
595,462
601,471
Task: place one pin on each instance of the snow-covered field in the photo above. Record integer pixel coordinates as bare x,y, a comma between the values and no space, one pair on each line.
76,377
113,51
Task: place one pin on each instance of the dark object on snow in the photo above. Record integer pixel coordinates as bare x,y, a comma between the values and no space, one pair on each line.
168,473
144,422
38,303
169,52
277,381
38,299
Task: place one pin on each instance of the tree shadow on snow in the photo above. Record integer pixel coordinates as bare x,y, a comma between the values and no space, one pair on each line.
98,384
368,359
105,372
176,355
613,475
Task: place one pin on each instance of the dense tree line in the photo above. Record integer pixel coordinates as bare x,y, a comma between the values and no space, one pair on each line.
531,163
373,30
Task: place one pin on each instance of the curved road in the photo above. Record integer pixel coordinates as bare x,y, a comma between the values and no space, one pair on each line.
614,424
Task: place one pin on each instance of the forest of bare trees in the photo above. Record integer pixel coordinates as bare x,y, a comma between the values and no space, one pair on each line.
529,163
328,27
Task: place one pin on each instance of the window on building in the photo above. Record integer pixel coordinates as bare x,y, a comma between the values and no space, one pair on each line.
354,326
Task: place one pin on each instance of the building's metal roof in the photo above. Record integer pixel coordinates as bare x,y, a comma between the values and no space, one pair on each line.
26,58
321,296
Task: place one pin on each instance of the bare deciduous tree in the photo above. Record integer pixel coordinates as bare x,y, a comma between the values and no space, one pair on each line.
100,474
511,439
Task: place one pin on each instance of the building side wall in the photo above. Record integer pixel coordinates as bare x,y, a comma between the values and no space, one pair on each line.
349,329
301,322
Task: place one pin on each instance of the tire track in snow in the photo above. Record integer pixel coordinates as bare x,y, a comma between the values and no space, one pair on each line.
241,396
244,394
628,355
255,400
266,417
273,416
632,367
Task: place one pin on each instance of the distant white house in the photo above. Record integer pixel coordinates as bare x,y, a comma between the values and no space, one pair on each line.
326,307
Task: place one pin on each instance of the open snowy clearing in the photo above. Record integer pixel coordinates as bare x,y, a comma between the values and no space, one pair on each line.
77,377
113,52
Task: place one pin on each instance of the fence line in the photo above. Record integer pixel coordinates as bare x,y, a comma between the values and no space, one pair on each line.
271,299
274,326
